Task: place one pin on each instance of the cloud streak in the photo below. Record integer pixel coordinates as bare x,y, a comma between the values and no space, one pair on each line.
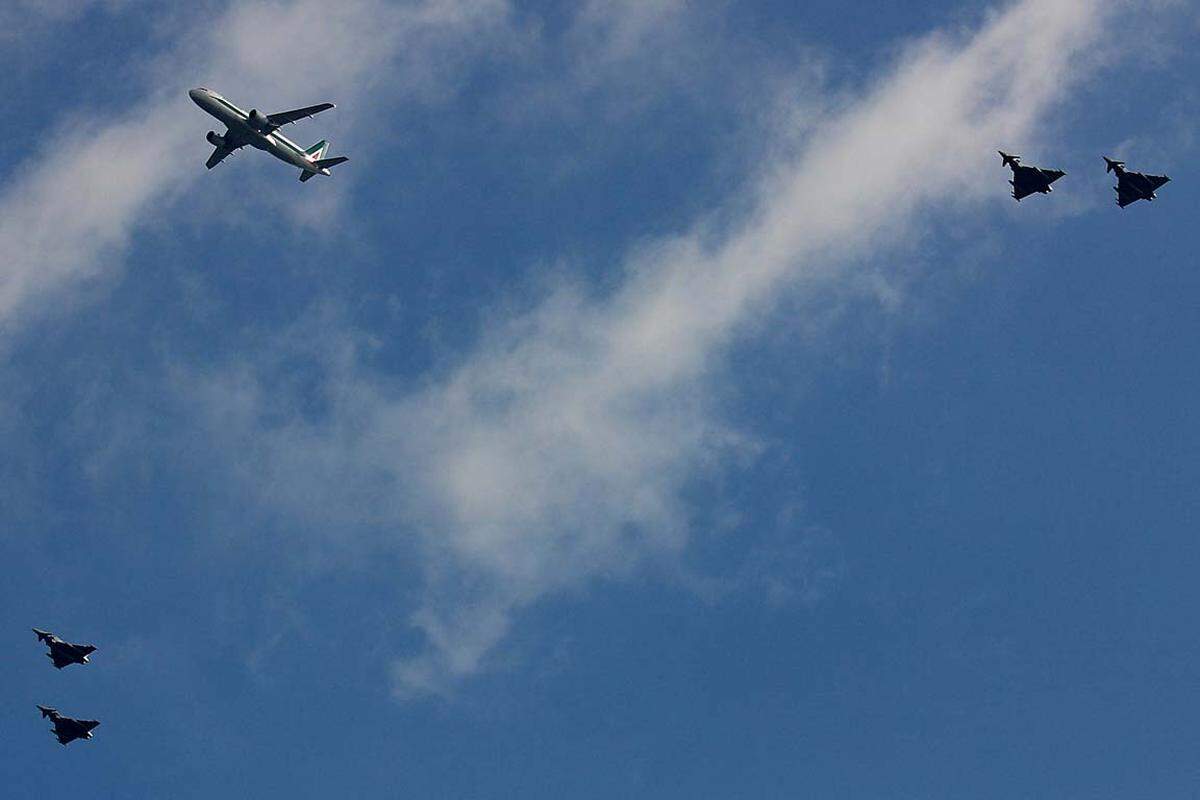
560,449
68,212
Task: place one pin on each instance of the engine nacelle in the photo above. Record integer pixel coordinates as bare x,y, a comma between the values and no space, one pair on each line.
215,139
259,121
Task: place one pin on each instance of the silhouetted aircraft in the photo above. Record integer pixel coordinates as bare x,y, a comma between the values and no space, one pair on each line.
67,730
1133,186
63,653
1029,180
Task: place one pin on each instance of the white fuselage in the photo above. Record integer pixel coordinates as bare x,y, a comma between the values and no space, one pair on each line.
241,132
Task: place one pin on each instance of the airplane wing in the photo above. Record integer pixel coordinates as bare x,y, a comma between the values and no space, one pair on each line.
85,649
1021,191
295,115
1026,181
1126,196
65,738
60,660
1157,181
1051,175
218,155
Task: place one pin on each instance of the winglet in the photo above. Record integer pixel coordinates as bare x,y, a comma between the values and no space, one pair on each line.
1009,161
1113,164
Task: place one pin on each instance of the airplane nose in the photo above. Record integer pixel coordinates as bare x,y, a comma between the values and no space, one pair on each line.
196,95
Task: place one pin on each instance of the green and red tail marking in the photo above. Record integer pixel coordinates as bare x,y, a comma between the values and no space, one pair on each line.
317,151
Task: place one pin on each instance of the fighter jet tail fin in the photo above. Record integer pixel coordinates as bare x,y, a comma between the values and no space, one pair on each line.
1112,164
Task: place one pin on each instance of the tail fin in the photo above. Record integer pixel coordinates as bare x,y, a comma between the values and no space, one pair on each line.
317,151
1009,161
1113,164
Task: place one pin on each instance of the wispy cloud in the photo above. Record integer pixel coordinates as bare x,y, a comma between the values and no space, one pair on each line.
67,213
559,449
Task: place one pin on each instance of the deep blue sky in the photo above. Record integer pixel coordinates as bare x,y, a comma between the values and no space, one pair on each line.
958,559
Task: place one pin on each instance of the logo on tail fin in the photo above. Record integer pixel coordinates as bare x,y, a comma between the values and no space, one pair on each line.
317,151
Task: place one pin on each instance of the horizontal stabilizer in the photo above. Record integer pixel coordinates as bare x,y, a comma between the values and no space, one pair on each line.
322,164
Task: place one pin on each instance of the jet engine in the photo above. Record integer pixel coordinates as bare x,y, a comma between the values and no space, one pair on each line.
259,121
215,139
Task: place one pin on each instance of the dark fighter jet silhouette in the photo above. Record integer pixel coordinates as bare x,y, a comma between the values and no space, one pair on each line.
67,730
1133,186
64,653
1029,180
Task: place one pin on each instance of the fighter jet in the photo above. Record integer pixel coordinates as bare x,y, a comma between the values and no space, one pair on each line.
1029,180
1133,186
67,730
64,653
262,131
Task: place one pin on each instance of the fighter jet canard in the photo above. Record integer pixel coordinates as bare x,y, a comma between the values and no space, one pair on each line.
261,131
1029,180
63,653
1133,186
66,729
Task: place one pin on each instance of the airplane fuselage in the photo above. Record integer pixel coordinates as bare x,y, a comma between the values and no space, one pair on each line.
241,130
67,651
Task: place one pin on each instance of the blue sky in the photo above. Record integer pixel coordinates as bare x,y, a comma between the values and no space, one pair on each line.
667,400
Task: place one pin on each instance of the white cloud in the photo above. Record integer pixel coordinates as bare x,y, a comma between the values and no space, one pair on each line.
66,215
63,9
558,451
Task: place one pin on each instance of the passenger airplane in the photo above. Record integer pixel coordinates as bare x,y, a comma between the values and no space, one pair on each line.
262,131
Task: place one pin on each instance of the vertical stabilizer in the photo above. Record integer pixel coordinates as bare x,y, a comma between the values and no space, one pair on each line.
317,151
